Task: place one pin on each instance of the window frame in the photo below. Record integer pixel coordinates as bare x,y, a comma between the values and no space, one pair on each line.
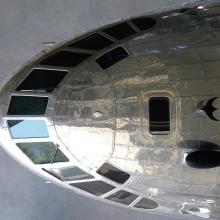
159,91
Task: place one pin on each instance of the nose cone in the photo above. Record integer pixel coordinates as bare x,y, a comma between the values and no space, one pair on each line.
112,113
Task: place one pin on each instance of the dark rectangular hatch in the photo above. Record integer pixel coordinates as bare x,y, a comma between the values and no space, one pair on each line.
159,115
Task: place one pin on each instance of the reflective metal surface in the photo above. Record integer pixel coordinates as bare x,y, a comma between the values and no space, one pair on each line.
101,114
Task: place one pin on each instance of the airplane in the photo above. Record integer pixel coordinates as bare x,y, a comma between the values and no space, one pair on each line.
119,122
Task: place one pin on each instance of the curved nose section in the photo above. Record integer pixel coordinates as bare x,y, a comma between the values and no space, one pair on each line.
110,115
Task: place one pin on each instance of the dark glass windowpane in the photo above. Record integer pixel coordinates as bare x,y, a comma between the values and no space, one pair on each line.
28,128
159,114
120,31
146,204
69,173
113,173
27,105
123,197
112,57
40,79
97,188
60,157
41,152
92,42
65,59
185,10
144,23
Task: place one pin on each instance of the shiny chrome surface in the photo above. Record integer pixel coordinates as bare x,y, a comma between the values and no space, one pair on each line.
102,116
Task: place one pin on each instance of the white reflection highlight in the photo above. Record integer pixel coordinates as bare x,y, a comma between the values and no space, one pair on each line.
89,145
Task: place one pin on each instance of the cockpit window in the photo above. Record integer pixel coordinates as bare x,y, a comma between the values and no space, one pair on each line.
144,23
28,128
113,173
111,57
42,80
27,105
43,152
69,173
97,188
120,31
146,204
123,197
65,59
92,42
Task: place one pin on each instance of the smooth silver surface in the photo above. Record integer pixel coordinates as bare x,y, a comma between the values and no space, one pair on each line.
175,58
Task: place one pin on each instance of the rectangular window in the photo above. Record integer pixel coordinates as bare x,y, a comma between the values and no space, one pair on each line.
144,23
43,152
111,57
123,197
120,31
65,59
113,173
27,105
42,80
146,204
69,173
97,188
92,42
28,128
159,115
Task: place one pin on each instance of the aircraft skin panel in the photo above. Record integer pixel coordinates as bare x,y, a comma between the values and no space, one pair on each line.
130,124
